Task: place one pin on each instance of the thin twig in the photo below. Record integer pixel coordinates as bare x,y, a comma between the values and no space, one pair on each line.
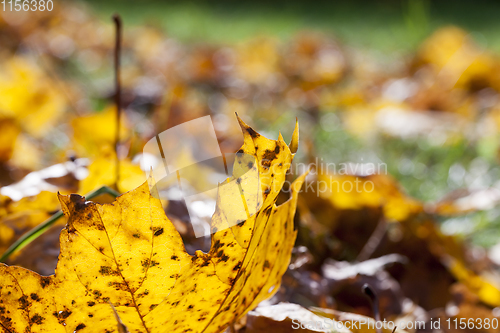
118,91
374,241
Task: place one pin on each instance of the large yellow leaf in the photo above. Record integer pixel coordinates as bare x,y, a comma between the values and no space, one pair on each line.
129,254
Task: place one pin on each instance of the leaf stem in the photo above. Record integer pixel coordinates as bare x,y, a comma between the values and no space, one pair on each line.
40,229
118,91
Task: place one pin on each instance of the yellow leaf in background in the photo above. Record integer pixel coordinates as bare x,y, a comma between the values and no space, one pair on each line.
29,96
6,236
486,291
97,131
359,120
341,191
17,217
441,46
458,59
9,131
44,201
129,254
26,154
102,172
356,192
258,59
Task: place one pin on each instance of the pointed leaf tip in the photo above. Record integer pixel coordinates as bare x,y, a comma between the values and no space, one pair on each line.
240,121
294,144
248,132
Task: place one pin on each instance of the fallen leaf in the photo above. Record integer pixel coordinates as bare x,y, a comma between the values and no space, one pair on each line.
17,217
487,291
337,270
129,253
465,201
95,132
29,96
62,176
288,317
355,322
9,131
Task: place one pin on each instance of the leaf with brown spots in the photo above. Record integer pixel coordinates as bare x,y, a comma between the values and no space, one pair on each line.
151,281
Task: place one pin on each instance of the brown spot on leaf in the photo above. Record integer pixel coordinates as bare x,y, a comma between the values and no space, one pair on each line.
78,201
45,282
252,133
80,327
36,319
23,302
62,315
106,270
158,231
217,245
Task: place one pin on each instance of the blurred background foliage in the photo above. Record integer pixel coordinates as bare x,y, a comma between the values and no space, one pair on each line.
381,25
412,84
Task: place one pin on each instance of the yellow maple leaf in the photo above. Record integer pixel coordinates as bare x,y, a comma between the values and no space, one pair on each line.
129,254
